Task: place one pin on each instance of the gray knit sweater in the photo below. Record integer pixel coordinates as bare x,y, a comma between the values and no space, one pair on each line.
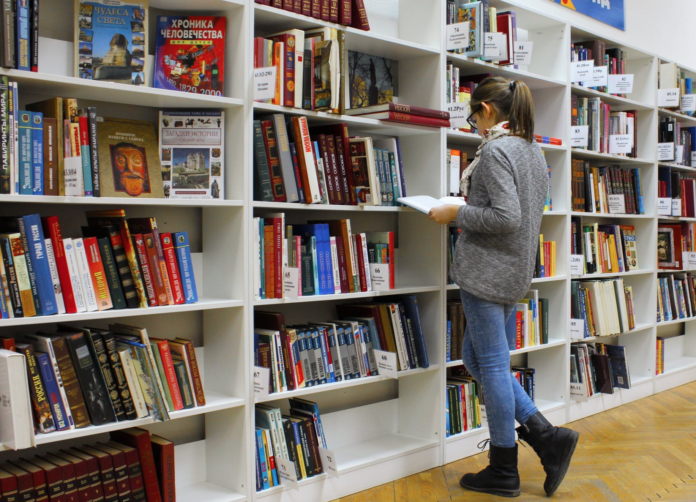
496,250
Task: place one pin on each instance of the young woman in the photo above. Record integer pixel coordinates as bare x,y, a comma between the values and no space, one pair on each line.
506,188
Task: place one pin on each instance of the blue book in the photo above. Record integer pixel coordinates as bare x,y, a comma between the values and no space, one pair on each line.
328,368
687,90
23,59
323,272
259,480
395,177
343,353
183,256
37,153
352,352
639,191
311,408
269,445
262,459
3,301
39,261
410,303
317,354
326,250
26,166
449,340
52,391
363,340
87,177
447,412
262,243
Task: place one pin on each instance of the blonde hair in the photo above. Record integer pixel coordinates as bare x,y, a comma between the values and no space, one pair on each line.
512,100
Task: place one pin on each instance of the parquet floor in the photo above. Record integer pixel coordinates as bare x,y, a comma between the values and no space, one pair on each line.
644,451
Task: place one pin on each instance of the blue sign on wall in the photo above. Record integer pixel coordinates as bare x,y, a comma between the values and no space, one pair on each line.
609,12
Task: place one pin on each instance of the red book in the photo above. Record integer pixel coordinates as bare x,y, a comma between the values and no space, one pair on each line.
360,16
163,451
278,251
341,137
69,480
155,271
25,483
140,440
120,470
406,118
51,228
8,486
288,5
518,329
194,368
95,481
316,9
324,10
169,372
259,56
149,225
135,473
269,261
399,108
507,24
54,479
269,141
345,12
38,479
278,4
341,182
172,268
306,7
297,6
342,269
81,475
96,269
7,343
288,92
106,469
333,11
361,262
139,246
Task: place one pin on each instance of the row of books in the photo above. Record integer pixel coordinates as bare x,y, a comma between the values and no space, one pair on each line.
595,50
606,307
674,239
463,403
19,47
346,12
603,123
82,377
545,265
526,378
678,187
670,76
682,139
295,437
132,465
118,263
659,356
676,297
605,248
611,189
327,256
597,368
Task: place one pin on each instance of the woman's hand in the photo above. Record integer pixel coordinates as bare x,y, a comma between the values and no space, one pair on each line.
444,214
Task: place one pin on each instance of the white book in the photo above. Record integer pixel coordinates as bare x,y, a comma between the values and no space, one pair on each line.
366,261
321,174
336,268
54,276
305,149
257,257
399,337
265,416
85,275
133,382
74,182
353,263
281,433
16,422
524,308
74,272
424,203
359,347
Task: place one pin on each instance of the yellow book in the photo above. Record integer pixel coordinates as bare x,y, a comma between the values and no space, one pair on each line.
553,258
541,252
612,253
266,445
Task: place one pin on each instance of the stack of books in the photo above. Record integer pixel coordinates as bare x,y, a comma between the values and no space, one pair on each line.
463,403
532,321
393,112
606,307
597,368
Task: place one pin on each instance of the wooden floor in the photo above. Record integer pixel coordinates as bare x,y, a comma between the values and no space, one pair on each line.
644,451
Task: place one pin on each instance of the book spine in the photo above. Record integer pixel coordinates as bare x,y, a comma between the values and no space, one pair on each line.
43,420
85,156
109,379
263,189
34,49
148,280
195,374
22,275
183,253
52,392
164,460
316,9
325,10
278,256
25,154
8,34
124,270
22,37
135,278
360,20
284,155
50,163
170,374
307,8
119,375
34,243
141,442
111,273
333,11
75,280
85,275
274,169
37,155
6,167
172,268
155,272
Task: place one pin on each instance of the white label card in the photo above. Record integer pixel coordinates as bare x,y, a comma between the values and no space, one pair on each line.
291,282
386,363
579,135
688,103
328,462
261,381
577,264
676,207
620,84
264,83
581,71
689,262
679,154
599,76
379,273
665,151
693,158
578,391
287,473
617,205
620,143
577,329
459,112
523,53
668,97
664,206
457,36
494,45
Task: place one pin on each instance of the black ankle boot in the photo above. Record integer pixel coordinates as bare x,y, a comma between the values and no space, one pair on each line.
554,445
499,478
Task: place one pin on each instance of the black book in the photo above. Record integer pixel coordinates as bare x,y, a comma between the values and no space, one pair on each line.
15,224
603,378
8,34
97,344
11,275
306,449
292,445
263,191
119,374
96,396
111,272
94,151
184,387
409,338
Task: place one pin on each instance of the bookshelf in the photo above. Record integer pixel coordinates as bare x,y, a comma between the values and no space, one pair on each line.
380,429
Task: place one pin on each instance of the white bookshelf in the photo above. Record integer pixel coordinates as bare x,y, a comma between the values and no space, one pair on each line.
380,429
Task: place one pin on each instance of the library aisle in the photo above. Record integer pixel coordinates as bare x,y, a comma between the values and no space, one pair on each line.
644,451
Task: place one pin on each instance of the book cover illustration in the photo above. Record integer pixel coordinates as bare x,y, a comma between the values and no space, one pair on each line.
372,80
190,54
110,40
192,154
128,162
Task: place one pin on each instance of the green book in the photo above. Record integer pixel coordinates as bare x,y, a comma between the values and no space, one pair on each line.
544,320
163,376
111,272
182,378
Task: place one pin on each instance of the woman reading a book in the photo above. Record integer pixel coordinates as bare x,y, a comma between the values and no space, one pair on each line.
505,187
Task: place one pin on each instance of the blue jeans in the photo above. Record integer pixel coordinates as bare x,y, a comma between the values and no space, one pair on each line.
488,339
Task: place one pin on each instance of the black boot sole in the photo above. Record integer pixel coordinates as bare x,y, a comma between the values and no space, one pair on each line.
568,450
500,493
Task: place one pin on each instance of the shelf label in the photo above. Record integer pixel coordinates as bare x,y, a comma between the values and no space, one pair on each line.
620,84
261,381
620,143
291,282
287,473
617,204
676,207
523,53
688,103
668,98
328,462
578,391
577,264
679,154
693,158
493,45
599,76
577,329
581,70
664,206
579,135
458,36
689,262
386,363
379,274
264,83
665,151
459,112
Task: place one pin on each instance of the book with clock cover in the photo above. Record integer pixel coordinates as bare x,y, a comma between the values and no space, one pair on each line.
190,54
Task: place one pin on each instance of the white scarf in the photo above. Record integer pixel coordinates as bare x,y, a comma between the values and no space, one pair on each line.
499,130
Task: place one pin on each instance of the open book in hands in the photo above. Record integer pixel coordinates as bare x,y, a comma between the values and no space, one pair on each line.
424,203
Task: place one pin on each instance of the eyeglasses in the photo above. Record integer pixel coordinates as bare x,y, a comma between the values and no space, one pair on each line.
471,122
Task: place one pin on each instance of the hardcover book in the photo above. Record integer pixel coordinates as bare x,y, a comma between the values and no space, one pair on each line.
111,40
192,154
190,54
372,80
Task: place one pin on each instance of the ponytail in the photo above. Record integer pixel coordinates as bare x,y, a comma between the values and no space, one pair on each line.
512,101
